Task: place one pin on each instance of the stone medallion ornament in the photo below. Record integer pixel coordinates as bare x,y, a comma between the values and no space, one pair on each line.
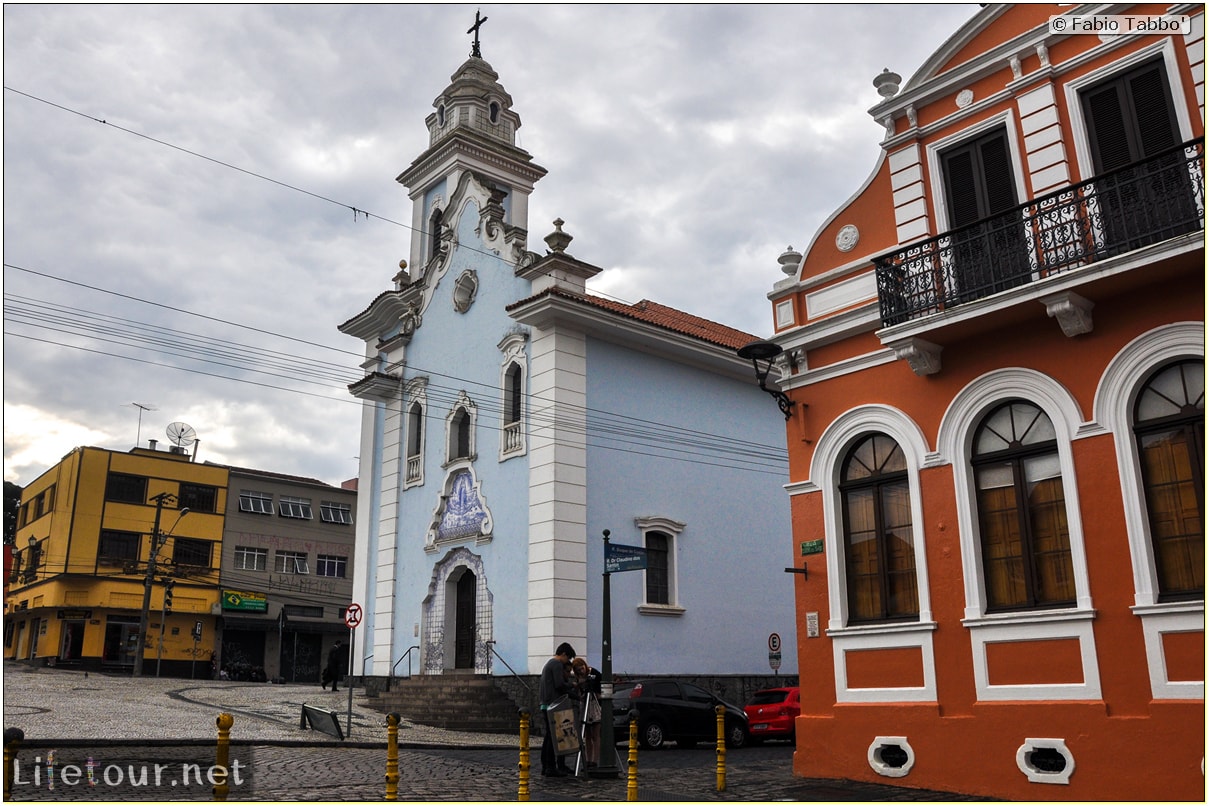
965,98
846,240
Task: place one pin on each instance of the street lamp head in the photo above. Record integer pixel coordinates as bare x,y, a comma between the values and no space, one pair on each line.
184,512
758,351
33,541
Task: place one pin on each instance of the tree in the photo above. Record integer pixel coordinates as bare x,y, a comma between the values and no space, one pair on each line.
12,505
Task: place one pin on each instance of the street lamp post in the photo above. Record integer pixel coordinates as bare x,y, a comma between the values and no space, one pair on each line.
148,581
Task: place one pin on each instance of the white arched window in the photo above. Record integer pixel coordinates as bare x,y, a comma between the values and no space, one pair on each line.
512,397
1007,436
414,420
1119,404
459,431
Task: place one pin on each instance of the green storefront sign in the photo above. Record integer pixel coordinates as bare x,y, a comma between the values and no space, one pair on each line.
242,600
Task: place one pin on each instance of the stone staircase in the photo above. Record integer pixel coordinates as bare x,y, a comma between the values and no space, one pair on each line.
466,702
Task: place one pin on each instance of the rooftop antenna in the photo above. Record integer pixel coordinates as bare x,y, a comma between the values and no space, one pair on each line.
142,407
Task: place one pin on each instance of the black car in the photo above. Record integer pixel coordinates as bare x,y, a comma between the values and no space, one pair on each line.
672,711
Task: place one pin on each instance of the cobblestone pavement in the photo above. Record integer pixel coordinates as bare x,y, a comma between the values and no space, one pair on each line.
135,731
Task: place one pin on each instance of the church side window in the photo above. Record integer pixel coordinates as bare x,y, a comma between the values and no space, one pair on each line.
661,594
1169,427
513,427
1026,553
415,434
460,431
434,233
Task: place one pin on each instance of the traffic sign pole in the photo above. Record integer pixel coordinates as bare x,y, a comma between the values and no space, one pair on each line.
352,617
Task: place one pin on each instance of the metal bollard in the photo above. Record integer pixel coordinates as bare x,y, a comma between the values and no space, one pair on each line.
12,740
522,792
222,760
631,786
720,710
392,756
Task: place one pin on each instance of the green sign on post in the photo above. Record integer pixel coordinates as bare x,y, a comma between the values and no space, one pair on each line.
812,547
242,600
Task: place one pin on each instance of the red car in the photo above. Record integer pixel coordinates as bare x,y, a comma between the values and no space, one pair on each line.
772,712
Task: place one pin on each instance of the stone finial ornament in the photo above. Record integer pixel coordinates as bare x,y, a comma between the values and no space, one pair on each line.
789,261
887,83
558,240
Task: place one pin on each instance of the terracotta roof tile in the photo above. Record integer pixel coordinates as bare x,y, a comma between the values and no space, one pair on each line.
658,315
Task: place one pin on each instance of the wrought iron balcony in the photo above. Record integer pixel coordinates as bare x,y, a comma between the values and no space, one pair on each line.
1142,204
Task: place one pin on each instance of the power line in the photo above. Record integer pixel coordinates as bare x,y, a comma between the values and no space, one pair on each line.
602,420
356,211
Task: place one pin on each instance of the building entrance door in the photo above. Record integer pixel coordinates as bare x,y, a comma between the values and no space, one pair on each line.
463,642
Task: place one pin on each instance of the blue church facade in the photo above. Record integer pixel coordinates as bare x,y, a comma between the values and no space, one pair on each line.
511,417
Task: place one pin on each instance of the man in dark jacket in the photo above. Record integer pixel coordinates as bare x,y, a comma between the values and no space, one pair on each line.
554,684
337,663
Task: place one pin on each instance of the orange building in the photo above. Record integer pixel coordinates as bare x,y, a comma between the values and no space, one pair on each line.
994,353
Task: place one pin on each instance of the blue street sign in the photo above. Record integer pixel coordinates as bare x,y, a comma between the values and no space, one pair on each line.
624,558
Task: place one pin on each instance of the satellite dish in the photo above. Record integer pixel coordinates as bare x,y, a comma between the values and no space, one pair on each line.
181,434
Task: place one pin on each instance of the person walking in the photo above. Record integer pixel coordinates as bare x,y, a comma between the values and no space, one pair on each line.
554,684
337,662
587,679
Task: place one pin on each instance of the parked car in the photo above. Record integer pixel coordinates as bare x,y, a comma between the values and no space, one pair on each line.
771,713
672,711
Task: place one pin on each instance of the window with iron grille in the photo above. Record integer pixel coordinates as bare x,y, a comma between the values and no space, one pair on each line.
658,568
254,502
249,558
330,565
126,488
1130,119
118,548
198,497
291,562
190,551
290,507
332,512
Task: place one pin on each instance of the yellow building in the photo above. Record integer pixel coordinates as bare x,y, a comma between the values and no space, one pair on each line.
84,559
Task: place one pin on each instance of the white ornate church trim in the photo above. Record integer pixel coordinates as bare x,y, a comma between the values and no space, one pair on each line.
438,613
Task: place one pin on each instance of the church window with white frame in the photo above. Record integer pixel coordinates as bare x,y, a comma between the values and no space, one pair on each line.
414,433
459,431
512,396
660,539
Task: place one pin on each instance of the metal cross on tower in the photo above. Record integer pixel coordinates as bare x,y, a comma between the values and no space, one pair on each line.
478,23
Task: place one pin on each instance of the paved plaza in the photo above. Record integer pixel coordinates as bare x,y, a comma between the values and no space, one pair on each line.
99,737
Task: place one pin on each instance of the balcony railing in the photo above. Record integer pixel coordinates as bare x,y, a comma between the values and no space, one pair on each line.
1141,204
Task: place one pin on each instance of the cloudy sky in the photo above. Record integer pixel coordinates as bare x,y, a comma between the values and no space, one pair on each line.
181,187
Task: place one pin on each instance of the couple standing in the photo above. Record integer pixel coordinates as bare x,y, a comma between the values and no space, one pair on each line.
567,676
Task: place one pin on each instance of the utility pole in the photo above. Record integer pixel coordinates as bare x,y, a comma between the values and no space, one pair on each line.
148,581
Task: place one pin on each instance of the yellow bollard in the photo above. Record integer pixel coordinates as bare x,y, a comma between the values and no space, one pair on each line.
392,757
720,710
631,787
12,739
522,793
222,761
